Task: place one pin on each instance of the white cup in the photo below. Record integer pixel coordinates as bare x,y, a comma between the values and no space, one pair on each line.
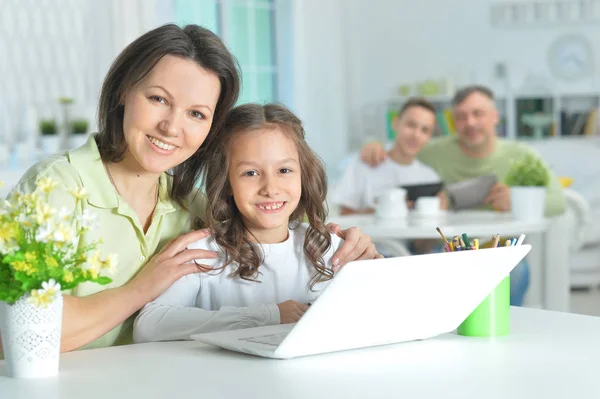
428,205
392,204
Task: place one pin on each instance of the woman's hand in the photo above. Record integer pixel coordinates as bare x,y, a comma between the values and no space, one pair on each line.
357,245
170,264
291,311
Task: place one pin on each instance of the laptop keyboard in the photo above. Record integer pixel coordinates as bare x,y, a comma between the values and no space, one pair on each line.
269,339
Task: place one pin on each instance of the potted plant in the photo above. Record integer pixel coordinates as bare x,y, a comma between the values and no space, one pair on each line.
49,135
528,180
40,256
48,127
79,126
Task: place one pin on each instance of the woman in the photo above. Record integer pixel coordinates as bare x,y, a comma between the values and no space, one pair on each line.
164,96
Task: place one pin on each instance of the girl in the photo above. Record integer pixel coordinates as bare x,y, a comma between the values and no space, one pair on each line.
165,95
261,180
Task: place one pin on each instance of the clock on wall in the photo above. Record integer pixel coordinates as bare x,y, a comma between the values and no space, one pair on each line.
571,57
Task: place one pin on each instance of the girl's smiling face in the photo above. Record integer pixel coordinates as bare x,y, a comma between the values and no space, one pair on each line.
265,179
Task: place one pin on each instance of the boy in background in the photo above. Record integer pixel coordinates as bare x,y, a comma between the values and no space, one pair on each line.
361,184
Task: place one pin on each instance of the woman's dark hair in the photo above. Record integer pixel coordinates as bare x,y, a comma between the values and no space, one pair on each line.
191,42
222,215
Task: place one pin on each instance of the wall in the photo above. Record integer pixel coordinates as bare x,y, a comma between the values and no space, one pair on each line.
391,42
49,49
319,79
60,48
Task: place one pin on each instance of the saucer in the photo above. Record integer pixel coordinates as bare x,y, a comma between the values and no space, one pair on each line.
423,215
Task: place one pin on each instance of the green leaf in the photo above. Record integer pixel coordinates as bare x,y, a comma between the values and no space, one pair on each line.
103,280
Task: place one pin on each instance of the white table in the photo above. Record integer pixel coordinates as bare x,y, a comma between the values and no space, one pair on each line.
549,285
547,355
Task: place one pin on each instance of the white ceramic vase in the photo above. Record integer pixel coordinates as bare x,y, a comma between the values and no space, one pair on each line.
528,203
31,337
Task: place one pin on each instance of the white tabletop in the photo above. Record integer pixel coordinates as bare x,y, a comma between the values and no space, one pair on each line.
474,223
547,355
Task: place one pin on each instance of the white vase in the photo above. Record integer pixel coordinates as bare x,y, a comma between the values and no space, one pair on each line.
528,203
31,337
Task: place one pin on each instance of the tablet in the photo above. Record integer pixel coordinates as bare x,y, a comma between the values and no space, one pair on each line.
414,191
470,193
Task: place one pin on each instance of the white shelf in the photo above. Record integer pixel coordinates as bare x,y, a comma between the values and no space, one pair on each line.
576,105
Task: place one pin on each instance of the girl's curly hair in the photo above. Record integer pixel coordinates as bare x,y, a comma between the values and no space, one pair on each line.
224,219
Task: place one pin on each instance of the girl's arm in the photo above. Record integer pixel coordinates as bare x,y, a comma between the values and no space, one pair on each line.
174,315
88,318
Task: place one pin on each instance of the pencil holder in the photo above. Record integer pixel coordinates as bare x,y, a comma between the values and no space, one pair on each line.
492,317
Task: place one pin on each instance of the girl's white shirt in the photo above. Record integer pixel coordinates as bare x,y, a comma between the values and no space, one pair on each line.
214,301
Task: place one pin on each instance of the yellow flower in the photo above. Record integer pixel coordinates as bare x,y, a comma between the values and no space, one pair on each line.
93,273
22,266
46,184
7,231
40,298
35,299
46,295
30,257
68,277
8,234
96,261
63,234
50,262
51,288
44,213
24,220
29,201
107,265
94,265
110,263
79,194
1,183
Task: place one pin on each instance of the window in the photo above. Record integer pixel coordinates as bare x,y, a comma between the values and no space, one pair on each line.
247,28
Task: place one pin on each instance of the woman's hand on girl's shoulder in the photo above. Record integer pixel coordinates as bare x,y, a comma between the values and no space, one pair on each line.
170,264
357,246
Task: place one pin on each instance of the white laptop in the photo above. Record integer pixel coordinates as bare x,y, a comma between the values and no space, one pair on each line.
382,301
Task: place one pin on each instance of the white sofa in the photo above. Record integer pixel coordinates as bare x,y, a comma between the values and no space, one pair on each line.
579,159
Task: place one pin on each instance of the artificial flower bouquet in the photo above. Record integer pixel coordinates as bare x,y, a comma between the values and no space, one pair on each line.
40,255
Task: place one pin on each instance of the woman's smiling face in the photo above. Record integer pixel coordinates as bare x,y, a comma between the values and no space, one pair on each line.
169,113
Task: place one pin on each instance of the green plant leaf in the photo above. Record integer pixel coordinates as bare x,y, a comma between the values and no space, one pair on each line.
103,280
527,172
